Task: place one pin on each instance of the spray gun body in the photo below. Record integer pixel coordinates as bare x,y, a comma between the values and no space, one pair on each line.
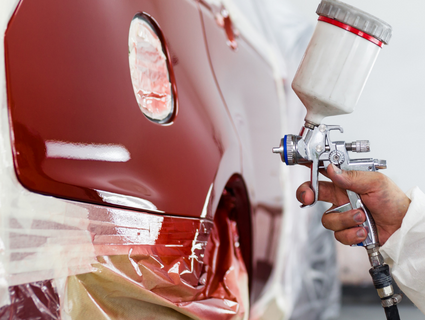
329,81
314,147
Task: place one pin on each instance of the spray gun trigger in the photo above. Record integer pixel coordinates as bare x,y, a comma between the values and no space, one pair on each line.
340,209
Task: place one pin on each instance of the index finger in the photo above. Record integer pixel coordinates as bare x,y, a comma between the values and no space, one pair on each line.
328,192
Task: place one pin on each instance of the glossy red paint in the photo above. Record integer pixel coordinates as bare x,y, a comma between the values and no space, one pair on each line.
68,83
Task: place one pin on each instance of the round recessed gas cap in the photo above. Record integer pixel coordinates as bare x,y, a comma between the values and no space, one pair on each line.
150,70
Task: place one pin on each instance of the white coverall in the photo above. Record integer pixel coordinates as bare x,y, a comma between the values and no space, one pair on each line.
404,251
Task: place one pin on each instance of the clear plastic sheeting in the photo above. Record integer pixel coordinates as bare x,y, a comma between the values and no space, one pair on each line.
304,283
316,293
37,300
148,267
46,246
192,270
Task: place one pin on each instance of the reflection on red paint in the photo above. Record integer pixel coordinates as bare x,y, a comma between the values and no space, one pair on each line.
74,89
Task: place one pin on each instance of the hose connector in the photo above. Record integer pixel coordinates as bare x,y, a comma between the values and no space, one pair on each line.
383,283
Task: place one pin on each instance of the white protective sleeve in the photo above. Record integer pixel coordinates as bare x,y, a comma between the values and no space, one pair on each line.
404,251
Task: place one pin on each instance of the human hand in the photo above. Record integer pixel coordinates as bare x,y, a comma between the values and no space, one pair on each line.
385,201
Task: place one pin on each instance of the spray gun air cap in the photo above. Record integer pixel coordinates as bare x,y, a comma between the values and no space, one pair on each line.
338,60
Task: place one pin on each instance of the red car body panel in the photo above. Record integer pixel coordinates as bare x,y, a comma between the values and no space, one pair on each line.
68,81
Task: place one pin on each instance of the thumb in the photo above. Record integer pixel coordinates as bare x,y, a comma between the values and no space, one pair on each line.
360,182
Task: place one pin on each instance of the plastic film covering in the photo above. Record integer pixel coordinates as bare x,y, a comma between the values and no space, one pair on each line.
304,283
41,237
192,270
148,267
37,300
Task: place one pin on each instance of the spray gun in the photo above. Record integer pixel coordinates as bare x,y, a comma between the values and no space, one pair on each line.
329,81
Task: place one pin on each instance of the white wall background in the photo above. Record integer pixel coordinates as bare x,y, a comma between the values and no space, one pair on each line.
391,110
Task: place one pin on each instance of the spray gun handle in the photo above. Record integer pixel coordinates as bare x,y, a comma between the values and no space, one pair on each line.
369,224
314,182
315,179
